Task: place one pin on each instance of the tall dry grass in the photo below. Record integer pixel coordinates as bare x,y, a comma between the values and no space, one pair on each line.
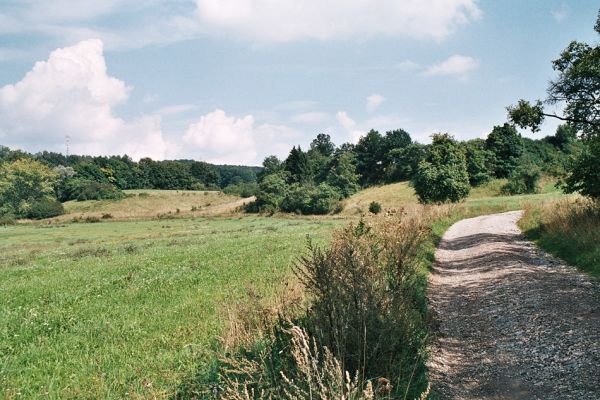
569,229
355,328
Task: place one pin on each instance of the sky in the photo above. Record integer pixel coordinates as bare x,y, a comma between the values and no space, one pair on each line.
233,81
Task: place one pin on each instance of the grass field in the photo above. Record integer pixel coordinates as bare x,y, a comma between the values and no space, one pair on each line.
147,204
116,309
130,306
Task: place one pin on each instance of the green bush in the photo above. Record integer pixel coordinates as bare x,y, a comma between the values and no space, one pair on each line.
83,189
310,199
242,189
374,207
45,208
524,180
7,219
442,175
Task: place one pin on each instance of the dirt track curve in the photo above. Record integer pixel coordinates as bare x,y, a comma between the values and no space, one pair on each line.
514,322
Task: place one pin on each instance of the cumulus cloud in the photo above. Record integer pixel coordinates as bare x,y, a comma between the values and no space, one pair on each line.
72,94
456,65
374,101
223,139
349,125
288,20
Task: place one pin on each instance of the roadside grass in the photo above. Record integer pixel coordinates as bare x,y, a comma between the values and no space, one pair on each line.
128,309
148,204
568,229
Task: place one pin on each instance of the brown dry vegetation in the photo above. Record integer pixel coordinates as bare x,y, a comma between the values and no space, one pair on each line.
150,204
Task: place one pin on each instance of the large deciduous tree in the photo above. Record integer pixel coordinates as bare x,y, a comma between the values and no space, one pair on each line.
26,187
507,147
577,88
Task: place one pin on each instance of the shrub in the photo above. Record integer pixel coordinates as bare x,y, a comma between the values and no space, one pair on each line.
374,207
45,208
7,219
365,308
442,175
310,199
242,189
107,216
83,189
524,181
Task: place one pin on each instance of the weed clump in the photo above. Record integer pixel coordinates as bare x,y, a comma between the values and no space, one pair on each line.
374,207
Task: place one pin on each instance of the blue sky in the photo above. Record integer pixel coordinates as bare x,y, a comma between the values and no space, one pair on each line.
236,80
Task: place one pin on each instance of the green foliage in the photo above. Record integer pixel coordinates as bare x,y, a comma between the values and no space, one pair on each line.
507,146
479,162
310,199
369,153
442,175
297,166
45,208
584,174
272,189
343,176
404,162
84,189
24,183
374,207
242,189
525,180
527,115
323,145
565,136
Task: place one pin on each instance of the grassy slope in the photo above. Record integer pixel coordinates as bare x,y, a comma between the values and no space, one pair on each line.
116,308
567,229
484,199
147,204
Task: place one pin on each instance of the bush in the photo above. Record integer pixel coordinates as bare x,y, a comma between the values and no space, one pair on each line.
442,176
524,181
365,308
310,199
45,208
242,189
374,207
83,189
7,219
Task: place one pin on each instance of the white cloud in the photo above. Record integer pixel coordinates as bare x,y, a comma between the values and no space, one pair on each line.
219,138
72,94
310,118
374,101
561,13
349,125
456,65
288,20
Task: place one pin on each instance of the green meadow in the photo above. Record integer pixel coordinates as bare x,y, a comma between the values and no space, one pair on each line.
131,308
116,309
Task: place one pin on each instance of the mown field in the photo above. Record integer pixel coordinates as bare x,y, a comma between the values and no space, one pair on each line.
132,305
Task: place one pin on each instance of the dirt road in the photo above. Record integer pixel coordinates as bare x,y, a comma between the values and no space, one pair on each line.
514,322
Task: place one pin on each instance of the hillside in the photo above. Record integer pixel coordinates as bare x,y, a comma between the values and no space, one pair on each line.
149,204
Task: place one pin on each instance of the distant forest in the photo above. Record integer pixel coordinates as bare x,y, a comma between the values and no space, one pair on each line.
315,180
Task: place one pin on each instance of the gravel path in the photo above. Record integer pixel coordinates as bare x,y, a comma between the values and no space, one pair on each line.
513,322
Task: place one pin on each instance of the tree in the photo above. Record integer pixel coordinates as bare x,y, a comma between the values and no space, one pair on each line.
479,162
577,86
343,176
297,165
323,144
506,145
369,153
403,162
564,136
24,184
442,175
